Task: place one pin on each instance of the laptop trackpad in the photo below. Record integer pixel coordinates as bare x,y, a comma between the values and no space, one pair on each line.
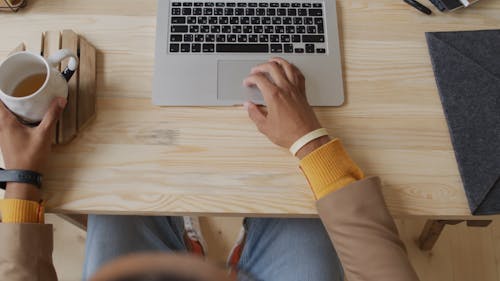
230,76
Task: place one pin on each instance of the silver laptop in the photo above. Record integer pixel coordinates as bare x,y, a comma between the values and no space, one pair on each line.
204,49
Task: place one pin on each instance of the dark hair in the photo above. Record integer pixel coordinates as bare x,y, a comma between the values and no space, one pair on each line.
154,277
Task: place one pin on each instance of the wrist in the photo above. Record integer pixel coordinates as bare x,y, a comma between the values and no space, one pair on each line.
23,191
312,146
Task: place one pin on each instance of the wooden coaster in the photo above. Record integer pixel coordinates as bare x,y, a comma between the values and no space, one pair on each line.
81,108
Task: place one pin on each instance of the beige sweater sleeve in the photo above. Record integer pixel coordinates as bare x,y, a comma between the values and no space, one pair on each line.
364,233
26,252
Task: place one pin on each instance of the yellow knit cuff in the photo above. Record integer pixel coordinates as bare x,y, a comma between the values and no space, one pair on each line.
21,211
329,168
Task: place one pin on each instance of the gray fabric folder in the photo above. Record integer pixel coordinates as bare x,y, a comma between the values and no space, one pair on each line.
467,70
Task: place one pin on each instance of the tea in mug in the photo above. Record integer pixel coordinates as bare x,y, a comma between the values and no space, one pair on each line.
29,85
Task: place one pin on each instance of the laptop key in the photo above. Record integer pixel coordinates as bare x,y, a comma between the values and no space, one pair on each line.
295,38
258,29
208,48
215,29
175,38
253,38
209,4
285,5
308,21
266,20
244,20
179,28
209,38
220,38
178,20
288,48
285,38
198,4
242,48
306,5
191,20
279,29
260,11
249,11
295,5
197,11
263,4
287,20
194,29
176,4
218,11
311,29
315,12
231,38
188,37
290,29
223,20
236,28
302,12
242,38
317,5
271,12
276,20
247,29
269,29
263,38
208,11
297,20
187,4
220,4
176,11
252,4
281,12
320,50
234,20
313,38
276,48
299,50
309,48
202,20
226,29
241,4
228,11
199,38
186,11
185,48
213,20
231,4
274,38
239,12
174,48
205,29
292,12
300,29
255,20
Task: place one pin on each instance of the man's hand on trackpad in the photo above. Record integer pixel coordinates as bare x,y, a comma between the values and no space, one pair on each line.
287,116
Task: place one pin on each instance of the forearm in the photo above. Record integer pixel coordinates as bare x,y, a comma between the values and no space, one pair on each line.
21,204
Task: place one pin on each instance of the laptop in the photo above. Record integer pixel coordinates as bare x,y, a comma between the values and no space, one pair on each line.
205,49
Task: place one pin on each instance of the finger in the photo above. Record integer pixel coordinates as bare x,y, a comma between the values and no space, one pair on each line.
275,71
256,114
262,82
53,114
288,68
5,114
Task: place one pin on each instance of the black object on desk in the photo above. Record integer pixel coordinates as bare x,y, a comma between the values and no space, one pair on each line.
418,6
467,69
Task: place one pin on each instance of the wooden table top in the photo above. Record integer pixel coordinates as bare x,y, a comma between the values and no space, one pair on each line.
136,158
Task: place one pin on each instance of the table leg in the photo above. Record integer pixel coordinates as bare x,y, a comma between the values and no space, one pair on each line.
431,232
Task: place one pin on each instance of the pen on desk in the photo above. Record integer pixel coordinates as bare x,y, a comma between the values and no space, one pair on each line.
418,6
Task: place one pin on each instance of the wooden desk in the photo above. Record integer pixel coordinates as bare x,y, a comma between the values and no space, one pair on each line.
139,159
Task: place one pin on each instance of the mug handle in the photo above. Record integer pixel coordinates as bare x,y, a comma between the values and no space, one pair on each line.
55,59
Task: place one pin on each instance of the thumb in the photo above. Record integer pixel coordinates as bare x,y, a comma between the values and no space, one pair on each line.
53,114
256,114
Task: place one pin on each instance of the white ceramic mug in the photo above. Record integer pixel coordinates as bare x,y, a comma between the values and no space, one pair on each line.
21,65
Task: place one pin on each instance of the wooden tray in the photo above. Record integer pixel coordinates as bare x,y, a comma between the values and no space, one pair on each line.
81,108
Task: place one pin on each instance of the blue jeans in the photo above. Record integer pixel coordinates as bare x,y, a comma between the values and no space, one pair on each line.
275,249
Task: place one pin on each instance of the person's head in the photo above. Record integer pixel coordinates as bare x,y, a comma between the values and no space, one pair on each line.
160,267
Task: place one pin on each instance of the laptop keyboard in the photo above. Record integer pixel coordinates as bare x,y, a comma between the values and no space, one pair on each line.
247,27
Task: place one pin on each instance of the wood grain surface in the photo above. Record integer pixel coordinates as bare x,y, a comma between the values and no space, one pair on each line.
135,158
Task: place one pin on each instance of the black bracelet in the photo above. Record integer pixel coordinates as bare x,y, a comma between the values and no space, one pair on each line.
20,176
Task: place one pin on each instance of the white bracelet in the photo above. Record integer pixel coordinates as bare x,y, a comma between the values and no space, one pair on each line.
316,134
